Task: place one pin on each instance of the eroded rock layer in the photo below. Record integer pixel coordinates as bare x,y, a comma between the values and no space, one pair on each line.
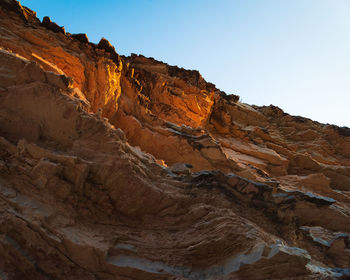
128,168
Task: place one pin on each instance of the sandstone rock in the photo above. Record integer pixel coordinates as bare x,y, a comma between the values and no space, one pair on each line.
46,168
25,13
104,44
47,66
52,25
336,243
305,163
181,168
60,81
82,37
85,187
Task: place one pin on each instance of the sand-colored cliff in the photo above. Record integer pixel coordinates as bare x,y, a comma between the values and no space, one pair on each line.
117,167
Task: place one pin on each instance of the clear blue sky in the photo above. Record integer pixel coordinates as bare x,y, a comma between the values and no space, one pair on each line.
294,54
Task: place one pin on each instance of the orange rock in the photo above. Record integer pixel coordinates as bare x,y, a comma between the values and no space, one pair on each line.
86,192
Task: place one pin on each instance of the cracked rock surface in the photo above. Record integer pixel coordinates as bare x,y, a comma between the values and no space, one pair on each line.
117,167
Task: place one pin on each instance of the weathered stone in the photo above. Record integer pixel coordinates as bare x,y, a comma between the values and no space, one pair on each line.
82,37
85,188
52,26
60,81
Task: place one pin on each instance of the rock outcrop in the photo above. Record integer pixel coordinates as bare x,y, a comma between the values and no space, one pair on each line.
117,167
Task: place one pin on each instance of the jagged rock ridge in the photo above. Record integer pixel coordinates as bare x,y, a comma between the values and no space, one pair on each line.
128,168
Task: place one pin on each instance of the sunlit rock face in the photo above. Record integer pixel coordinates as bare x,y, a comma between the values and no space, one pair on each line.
128,168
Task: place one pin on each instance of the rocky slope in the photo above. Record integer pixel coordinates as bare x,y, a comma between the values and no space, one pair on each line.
128,168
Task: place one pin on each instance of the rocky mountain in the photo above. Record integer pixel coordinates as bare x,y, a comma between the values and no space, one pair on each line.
116,167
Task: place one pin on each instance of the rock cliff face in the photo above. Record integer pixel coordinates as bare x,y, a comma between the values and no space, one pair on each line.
128,168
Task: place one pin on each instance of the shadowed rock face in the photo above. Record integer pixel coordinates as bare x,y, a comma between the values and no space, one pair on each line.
127,168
